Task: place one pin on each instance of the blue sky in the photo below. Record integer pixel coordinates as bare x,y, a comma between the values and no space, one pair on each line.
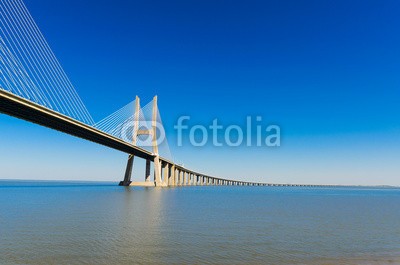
325,71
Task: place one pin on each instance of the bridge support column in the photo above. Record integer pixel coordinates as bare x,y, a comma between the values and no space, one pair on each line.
172,178
128,172
147,171
157,171
165,175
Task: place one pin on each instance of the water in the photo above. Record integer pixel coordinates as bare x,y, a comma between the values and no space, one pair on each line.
101,223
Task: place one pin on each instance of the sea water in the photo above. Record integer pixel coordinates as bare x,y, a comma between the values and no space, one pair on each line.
102,223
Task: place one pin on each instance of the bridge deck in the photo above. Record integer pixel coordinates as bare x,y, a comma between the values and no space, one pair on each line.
18,107
21,108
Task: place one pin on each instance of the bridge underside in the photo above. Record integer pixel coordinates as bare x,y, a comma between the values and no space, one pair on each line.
23,109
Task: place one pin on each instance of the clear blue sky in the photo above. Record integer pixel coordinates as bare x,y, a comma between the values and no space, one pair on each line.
326,71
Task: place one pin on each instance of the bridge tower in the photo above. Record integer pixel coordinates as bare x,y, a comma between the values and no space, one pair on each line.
129,167
150,132
157,162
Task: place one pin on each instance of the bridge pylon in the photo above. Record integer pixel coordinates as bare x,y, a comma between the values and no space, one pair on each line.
129,167
157,162
156,158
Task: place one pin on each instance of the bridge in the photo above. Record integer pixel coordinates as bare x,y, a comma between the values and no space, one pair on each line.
35,88
166,172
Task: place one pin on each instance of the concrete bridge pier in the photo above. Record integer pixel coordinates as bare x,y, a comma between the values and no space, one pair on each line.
128,172
184,178
180,178
157,172
172,176
147,172
165,173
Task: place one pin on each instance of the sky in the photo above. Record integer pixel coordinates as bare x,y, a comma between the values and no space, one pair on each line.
326,72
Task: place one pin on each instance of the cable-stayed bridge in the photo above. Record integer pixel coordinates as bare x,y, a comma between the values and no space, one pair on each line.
34,87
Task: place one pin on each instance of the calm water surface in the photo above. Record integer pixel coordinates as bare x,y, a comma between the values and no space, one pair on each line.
101,223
